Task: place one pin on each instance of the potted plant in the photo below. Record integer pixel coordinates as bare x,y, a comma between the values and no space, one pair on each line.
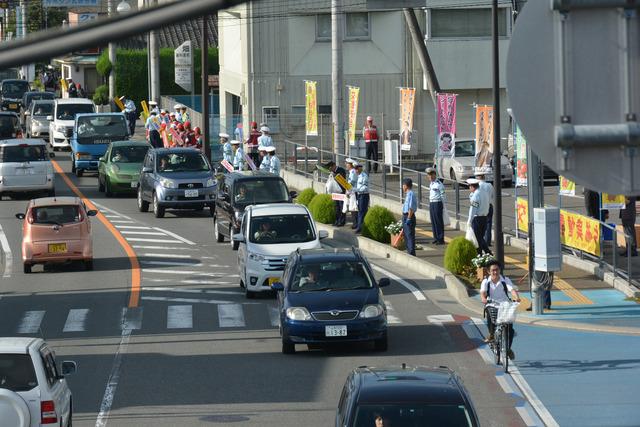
481,262
397,237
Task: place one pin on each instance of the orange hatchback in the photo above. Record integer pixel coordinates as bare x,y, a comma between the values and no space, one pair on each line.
56,230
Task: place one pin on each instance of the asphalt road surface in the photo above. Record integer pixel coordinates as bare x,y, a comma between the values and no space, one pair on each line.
191,350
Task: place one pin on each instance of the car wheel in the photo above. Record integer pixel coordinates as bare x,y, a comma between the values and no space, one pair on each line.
26,268
452,175
143,205
249,294
100,184
73,165
88,265
107,188
158,210
234,245
288,347
242,283
216,231
212,211
381,344
79,173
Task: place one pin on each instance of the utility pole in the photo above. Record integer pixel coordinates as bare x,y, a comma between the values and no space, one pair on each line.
497,164
337,19
204,55
112,57
154,62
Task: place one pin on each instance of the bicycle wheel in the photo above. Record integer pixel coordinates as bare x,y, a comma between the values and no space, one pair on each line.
497,343
504,347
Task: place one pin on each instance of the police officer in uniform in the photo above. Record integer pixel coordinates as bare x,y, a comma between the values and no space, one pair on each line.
362,192
478,209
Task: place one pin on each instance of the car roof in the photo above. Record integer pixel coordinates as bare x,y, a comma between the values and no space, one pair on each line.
17,345
278,209
73,101
313,256
38,91
8,113
248,175
408,384
22,141
14,80
43,101
52,201
175,150
130,142
98,114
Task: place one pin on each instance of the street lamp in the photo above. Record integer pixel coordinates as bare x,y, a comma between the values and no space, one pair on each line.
123,7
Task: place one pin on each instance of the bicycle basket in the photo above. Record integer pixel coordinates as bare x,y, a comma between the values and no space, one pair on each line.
507,312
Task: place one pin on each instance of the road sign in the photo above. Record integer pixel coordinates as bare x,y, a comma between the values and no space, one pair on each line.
183,59
574,88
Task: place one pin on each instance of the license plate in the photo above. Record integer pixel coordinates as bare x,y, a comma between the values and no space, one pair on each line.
13,106
57,248
134,184
273,280
190,193
335,331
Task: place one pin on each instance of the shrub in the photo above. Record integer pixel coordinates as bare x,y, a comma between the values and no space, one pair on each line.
101,97
305,196
323,209
458,256
375,222
103,66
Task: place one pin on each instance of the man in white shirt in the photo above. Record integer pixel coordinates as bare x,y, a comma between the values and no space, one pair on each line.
478,209
436,207
488,191
497,288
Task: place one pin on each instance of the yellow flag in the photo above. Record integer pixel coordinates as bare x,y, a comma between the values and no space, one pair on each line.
119,103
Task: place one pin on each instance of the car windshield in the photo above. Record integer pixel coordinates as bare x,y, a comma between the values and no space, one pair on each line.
38,95
191,161
58,214
465,148
107,126
14,89
413,415
69,111
128,154
23,153
274,229
17,373
260,191
43,109
331,276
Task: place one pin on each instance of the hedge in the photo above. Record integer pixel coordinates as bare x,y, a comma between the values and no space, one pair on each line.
305,196
375,221
323,209
458,255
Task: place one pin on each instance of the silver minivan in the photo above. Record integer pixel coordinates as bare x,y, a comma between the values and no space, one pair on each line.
25,168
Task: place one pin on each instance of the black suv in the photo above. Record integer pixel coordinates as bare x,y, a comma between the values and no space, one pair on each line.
10,125
236,191
11,93
405,396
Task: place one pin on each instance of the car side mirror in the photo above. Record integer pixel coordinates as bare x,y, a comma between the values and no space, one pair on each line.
147,170
239,238
277,286
52,155
69,367
384,282
92,212
20,216
323,234
293,194
50,118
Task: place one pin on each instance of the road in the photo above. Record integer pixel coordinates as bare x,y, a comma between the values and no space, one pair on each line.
195,351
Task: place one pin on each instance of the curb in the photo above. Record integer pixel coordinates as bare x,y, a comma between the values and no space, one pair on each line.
455,287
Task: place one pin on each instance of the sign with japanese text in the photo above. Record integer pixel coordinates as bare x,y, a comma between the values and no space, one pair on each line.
522,214
342,182
183,62
484,138
338,197
446,124
567,187
228,166
354,93
521,157
311,108
612,201
407,104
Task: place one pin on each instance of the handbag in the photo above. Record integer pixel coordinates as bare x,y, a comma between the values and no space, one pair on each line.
332,186
471,236
353,203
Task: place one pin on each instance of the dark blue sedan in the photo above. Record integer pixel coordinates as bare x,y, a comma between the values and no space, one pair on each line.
329,296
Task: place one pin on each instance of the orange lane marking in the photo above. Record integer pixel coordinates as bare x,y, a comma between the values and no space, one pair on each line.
134,298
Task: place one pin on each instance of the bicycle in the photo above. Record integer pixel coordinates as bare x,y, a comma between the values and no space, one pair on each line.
502,315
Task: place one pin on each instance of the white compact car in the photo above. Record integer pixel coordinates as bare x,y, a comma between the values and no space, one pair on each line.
64,118
33,392
268,234
25,168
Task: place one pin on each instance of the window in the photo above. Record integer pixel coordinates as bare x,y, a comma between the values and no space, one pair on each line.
466,23
413,414
276,229
357,26
323,27
260,191
56,214
50,370
182,162
69,111
17,373
128,154
103,126
334,276
23,153
271,116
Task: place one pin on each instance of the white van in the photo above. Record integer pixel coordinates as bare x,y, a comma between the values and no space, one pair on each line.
34,391
63,118
268,234
25,167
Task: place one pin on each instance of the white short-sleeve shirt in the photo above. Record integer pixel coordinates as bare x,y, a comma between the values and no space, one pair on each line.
496,292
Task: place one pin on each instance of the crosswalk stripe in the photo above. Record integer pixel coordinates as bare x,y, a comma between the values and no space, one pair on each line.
191,300
175,236
133,227
179,317
190,291
274,316
112,216
191,282
143,233
141,239
183,272
165,255
163,248
176,263
440,318
392,319
30,323
76,320
120,221
231,316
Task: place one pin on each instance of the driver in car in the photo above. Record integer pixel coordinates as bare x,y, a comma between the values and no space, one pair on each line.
312,278
118,157
265,232
242,194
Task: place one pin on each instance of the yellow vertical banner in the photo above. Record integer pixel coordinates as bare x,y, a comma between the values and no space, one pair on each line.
522,214
118,103
612,201
354,93
567,187
64,85
407,103
311,109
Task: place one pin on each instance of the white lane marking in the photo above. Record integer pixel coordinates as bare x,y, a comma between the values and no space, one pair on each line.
175,236
506,387
8,256
112,383
193,300
114,214
133,227
76,320
231,316
163,248
183,272
142,233
526,416
209,257
392,319
274,316
191,282
119,221
131,318
179,316
30,323
165,255
440,318
140,239
176,263
531,396
190,291
474,334
415,291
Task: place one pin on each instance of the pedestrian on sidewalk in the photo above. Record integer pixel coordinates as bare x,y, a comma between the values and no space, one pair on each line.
370,134
362,194
409,209
352,178
628,217
252,143
488,191
238,155
339,204
478,209
436,207
153,130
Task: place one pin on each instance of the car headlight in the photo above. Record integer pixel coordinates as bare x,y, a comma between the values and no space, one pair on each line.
255,256
167,183
298,313
36,123
60,128
371,311
210,182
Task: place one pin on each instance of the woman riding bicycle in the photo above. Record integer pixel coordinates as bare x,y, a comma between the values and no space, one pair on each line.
495,289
